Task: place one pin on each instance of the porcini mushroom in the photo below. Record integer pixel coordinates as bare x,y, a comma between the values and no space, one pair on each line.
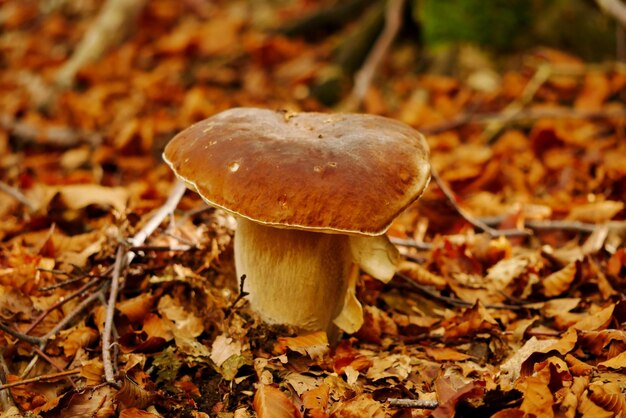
313,195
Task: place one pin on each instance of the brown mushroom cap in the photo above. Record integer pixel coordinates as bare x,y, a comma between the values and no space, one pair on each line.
336,173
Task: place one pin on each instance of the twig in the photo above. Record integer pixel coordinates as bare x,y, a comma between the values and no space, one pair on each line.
541,76
75,312
43,355
55,136
108,323
109,28
412,285
403,242
17,195
615,8
168,207
6,400
471,219
162,248
41,378
363,77
61,302
20,336
562,224
529,114
240,296
412,403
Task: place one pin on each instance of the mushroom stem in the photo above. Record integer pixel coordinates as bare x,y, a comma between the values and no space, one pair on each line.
293,277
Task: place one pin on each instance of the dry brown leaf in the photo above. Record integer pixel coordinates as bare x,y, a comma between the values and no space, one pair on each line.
136,308
137,413
186,323
345,355
314,344
96,403
131,395
271,402
596,321
317,399
359,406
76,338
578,367
445,354
79,196
376,323
93,371
608,396
541,388
596,212
223,348
617,362
569,403
555,307
559,281
588,409
449,394
473,321
421,275
393,365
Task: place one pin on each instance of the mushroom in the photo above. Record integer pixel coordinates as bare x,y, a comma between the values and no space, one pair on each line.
313,195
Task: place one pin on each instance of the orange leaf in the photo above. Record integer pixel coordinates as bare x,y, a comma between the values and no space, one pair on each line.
315,344
271,402
559,281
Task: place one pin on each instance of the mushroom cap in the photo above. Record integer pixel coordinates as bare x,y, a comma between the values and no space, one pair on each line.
334,173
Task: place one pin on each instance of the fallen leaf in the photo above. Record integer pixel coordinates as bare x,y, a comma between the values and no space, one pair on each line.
224,347
186,323
271,402
314,345
445,354
360,406
448,395
558,282
599,320
596,212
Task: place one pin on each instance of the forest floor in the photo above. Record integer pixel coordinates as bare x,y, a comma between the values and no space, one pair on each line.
515,309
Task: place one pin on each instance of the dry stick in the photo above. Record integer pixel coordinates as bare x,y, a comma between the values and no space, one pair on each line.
413,403
6,400
61,302
363,77
471,219
615,8
122,259
412,285
43,355
41,378
404,242
61,137
529,114
541,76
20,336
108,323
17,195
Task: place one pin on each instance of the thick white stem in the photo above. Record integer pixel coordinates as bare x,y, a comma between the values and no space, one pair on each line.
293,277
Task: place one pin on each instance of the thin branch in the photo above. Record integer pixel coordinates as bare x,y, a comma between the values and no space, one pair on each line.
20,336
6,399
470,218
55,136
615,8
41,378
455,302
412,403
44,356
363,77
404,242
17,195
524,115
168,207
75,312
61,302
512,109
108,323
240,296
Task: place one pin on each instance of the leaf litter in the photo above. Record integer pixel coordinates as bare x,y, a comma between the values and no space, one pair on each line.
510,326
